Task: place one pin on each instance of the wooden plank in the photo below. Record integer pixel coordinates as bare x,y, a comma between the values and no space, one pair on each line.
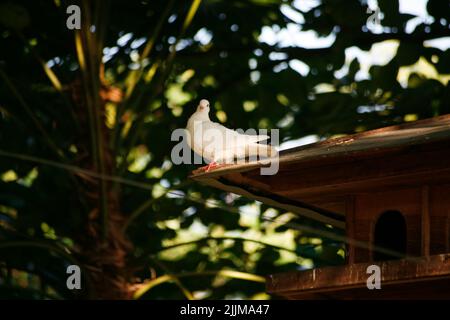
350,230
425,221
332,279
425,289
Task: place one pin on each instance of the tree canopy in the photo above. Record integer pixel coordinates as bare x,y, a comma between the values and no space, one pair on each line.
86,118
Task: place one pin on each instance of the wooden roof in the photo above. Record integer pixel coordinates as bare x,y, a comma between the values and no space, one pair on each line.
340,165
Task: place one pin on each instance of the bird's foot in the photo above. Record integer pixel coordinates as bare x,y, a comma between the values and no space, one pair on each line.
210,166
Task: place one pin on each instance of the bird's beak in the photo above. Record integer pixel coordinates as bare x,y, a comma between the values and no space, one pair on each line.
202,107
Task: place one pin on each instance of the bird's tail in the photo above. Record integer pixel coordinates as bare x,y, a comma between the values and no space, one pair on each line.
256,138
261,151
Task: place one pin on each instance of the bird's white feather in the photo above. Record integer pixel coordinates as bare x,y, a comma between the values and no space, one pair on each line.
217,143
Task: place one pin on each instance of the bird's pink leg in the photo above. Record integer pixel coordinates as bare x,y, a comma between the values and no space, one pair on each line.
210,166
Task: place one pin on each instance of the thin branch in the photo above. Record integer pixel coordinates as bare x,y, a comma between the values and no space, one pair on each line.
147,204
83,173
49,73
224,273
30,113
177,281
226,238
201,240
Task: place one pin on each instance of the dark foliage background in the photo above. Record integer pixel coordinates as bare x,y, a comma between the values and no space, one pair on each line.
86,118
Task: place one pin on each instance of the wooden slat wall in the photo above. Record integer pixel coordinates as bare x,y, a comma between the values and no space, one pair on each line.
368,207
439,219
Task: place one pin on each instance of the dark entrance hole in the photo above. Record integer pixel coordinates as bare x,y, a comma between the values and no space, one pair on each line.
390,233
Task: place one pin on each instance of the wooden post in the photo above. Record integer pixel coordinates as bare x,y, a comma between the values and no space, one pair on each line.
350,226
425,221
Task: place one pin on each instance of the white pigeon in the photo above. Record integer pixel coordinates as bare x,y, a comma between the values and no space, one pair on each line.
220,145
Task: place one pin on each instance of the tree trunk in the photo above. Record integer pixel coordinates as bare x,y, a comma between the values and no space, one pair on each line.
104,258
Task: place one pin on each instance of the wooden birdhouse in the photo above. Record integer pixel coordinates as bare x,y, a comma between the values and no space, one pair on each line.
389,189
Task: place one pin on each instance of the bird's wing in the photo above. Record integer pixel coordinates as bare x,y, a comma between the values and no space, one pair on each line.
239,138
229,155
